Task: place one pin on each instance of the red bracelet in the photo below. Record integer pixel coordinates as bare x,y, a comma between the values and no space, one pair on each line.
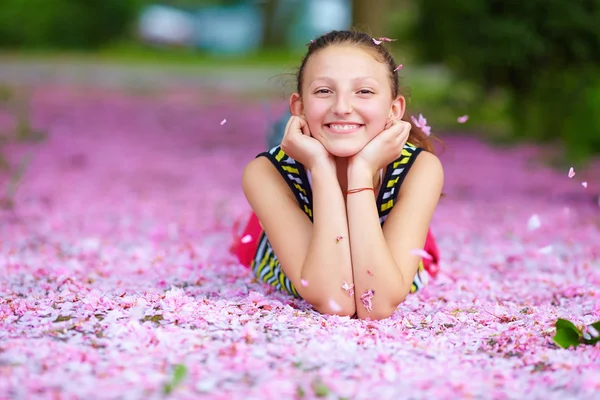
360,190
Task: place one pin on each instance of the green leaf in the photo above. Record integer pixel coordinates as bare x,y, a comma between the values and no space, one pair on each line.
320,389
62,318
179,373
567,334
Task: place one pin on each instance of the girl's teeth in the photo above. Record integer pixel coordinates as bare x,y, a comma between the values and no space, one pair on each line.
344,127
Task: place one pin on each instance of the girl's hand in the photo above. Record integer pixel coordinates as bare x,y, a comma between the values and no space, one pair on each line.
383,148
299,144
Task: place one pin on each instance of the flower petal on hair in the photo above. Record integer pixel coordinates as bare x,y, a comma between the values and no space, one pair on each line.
398,68
376,41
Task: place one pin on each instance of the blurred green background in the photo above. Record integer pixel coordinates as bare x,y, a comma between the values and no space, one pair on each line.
522,70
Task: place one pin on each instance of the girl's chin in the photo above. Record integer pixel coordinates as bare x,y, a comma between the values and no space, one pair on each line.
344,151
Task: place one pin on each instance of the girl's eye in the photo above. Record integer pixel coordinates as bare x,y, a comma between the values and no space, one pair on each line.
365,91
323,91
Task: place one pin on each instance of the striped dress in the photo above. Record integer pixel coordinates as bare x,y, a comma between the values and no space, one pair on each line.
265,264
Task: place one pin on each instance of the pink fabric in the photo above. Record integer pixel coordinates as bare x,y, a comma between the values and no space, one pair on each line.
251,235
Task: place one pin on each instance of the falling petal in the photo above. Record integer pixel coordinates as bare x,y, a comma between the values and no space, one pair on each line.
463,119
398,68
223,122
546,250
534,222
334,306
366,300
304,282
422,253
246,239
571,172
376,41
584,184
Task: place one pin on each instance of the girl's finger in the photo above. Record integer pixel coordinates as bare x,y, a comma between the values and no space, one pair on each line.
304,126
289,125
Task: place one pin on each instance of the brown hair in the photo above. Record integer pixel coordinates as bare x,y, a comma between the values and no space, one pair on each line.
381,53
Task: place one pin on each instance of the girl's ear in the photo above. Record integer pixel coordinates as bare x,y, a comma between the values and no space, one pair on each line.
296,107
398,108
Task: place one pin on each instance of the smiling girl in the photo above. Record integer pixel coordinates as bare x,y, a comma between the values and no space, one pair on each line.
341,205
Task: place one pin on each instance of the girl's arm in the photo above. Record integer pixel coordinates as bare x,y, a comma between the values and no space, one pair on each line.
381,258
306,251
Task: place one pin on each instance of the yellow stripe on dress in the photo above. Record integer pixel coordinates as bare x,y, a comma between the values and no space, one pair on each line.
280,155
385,206
290,169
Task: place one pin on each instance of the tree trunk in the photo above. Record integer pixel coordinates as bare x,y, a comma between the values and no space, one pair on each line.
369,16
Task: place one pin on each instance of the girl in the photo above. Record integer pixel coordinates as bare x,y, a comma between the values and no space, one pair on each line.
341,205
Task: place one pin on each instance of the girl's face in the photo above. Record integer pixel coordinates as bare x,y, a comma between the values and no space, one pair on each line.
347,98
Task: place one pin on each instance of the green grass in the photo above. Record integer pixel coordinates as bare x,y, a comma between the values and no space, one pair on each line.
131,54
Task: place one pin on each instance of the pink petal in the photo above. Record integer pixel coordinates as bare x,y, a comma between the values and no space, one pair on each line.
335,307
369,272
584,184
422,253
366,300
348,288
304,282
571,172
246,239
398,68
463,119
223,122
376,41
384,39
339,238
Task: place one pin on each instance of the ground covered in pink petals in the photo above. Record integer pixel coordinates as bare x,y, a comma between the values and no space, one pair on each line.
114,270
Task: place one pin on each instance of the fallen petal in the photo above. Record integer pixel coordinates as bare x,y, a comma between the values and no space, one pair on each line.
571,172
463,119
304,282
534,222
223,122
246,239
584,184
366,300
334,306
422,253
545,250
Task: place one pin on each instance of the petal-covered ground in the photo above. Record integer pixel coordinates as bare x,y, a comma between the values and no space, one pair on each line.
114,270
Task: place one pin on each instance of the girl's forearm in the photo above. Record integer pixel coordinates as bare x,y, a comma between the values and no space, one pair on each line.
328,263
373,265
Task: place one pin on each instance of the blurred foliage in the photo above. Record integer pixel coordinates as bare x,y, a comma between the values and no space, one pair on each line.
65,24
11,170
545,53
